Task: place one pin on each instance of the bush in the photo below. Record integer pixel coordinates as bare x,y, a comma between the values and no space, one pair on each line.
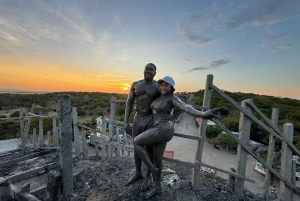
15,114
227,141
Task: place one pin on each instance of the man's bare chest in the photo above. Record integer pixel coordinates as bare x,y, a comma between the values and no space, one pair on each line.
146,90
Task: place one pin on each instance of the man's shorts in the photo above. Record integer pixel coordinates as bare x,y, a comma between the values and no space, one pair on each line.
141,124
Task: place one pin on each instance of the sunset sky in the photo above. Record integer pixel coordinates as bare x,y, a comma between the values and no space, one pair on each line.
249,46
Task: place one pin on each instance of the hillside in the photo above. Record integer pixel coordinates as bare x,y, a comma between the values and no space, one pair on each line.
93,104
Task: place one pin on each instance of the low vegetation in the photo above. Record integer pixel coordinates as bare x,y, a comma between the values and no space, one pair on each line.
94,104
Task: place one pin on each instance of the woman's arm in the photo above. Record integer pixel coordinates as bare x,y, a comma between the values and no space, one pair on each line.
213,113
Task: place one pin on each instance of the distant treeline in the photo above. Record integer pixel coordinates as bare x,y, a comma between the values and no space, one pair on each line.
94,104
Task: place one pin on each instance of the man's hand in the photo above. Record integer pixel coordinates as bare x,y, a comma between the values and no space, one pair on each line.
128,128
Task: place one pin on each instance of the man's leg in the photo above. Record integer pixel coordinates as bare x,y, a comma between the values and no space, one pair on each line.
137,160
147,182
158,155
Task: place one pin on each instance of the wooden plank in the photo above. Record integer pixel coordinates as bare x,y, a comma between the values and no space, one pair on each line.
270,157
23,139
55,137
270,123
121,101
109,152
274,127
54,131
97,141
48,139
17,160
286,164
104,150
41,140
103,124
112,116
32,172
34,137
244,136
295,189
184,163
202,131
76,131
251,116
226,171
84,144
29,121
199,138
122,146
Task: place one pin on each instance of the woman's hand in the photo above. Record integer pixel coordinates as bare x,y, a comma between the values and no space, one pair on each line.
214,113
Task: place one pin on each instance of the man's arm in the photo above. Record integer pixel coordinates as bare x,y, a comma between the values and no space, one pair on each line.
129,103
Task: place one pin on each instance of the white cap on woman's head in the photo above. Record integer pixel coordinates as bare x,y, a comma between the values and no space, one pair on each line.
168,80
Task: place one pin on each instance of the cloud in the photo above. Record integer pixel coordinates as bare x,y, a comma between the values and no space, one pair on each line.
191,38
226,53
197,68
190,60
34,22
264,12
285,46
212,65
218,63
124,56
272,39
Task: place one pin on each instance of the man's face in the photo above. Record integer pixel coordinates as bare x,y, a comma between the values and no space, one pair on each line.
149,72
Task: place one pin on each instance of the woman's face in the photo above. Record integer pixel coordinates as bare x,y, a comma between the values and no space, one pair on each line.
165,88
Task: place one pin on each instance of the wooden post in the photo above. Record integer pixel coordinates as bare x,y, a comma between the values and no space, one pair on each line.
64,112
117,150
5,190
55,137
112,116
29,121
41,137
242,154
76,132
104,150
48,139
96,144
23,139
109,152
202,132
84,145
125,152
286,164
270,157
54,129
34,137
104,124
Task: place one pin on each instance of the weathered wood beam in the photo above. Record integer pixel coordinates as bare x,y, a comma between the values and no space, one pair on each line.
251,116
226,171
32,172
199,138
17,160
289,184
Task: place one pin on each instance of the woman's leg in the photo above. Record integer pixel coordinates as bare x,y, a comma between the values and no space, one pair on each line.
158,152
147,138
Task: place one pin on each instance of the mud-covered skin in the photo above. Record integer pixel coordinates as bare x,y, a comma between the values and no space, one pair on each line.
143,92
163,131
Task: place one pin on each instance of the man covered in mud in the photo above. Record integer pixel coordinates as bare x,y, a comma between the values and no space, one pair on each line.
144,92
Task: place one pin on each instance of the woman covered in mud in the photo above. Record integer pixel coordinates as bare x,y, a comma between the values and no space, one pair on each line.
163,130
